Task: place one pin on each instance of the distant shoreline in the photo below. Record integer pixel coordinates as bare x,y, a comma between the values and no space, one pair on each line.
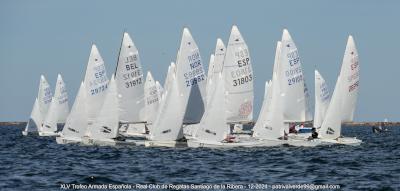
348,124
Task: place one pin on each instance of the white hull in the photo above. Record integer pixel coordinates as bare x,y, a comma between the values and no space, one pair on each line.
24,133
111,142
67,140
305,142
135,135
351,141
195,143
49,134
165,144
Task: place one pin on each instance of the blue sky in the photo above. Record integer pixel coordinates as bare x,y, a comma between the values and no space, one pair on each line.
50,37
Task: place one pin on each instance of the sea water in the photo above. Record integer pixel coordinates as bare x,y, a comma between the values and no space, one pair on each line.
38,163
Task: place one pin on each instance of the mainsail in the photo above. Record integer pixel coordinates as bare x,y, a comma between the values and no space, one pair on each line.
130,82
295,107
239,78
96,82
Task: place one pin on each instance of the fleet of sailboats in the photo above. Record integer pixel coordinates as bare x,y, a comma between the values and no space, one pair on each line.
196,109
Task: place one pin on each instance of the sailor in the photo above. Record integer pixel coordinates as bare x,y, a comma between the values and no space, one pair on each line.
292,129
314,134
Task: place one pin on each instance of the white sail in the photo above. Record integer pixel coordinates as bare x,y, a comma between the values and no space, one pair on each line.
239,76
35,119
160,89
218,62
152,98
168,123
350,72
345,92
192,78
322,99
130,82
213,125
59,109
96,82
273,126
295,108
210,67
265,107
209,78
107,122
169,75
76,123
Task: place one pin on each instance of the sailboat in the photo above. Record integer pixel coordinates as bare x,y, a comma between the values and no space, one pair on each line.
76,123
296,106
130,85
58,109
40,108
184,96
343,99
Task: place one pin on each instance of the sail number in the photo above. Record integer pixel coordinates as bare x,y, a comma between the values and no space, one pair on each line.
353,86
243,62
196,73
195,80
98,90
242,80
133,83
130,59
293,58
295,80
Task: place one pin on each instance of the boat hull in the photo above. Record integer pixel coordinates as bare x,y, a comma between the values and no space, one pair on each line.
148,143
66,140
49,134
111,142
351,141
195,143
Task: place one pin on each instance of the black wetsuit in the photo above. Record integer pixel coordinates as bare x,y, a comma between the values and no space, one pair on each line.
314,135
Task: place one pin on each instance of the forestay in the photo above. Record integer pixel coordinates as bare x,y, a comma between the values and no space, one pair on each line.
239,76
130,82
